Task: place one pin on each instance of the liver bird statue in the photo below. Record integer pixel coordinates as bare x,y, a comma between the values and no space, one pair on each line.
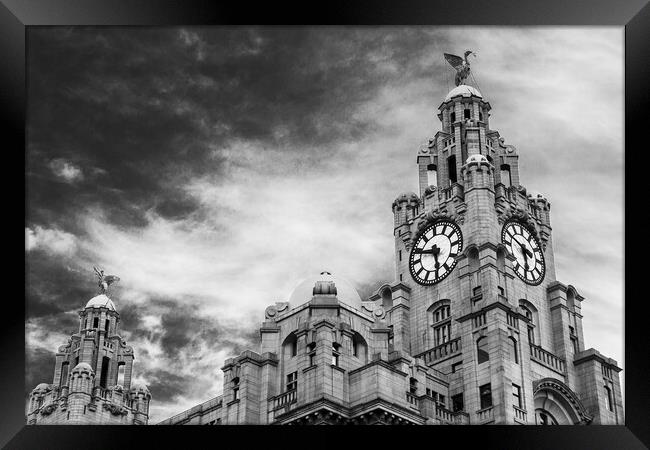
461,65
105,280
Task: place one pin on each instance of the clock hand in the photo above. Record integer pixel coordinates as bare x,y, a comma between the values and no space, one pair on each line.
525,252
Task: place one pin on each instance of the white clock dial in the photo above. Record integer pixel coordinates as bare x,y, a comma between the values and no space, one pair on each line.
434,253
529,259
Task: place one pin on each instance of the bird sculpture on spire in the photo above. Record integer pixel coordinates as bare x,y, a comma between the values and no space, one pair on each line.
461,65
104,281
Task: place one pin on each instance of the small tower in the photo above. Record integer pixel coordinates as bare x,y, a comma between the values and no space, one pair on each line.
92,374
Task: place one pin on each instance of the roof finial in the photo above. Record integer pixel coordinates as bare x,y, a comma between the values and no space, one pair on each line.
104,281
461,66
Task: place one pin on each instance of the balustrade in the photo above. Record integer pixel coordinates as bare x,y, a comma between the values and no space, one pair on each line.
441,351
547,359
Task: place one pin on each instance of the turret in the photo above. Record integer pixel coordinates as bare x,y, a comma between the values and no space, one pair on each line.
140,397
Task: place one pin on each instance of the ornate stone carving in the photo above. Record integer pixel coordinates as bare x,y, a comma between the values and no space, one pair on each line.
48,409
116,410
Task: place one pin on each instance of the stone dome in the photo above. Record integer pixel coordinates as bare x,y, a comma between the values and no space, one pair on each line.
139,387
464,91
476,158
42,387
82,366
321,285
101,301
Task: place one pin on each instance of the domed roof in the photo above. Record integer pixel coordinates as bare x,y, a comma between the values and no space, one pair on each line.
463,90
101,301
476,158
82,366
345,292
42,387
140,387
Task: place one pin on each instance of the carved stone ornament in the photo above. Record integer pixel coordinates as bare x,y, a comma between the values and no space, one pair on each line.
48,409
116,410
521,216
435,216
379,312
270,312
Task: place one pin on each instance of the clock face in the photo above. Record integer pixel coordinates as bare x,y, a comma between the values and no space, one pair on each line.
434,254
529,259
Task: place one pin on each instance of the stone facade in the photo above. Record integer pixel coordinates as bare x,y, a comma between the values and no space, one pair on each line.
92,376
410,354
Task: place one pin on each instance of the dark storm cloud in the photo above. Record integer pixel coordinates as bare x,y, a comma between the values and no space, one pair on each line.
52,288
166,385
138,110
39,367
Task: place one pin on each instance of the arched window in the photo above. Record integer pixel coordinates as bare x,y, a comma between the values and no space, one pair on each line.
514,354
482,350
386,298
506,180
531,314
413,386
359,347
290,345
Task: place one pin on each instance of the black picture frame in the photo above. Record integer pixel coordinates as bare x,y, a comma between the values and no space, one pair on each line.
634,15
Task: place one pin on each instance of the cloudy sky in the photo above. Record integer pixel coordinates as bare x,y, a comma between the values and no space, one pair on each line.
213,168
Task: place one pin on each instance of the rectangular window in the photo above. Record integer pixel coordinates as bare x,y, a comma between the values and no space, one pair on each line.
531,335
466,112
502,291
391,339
96,322
451,167
400,255
428,392
485,392
434,396
311,347
482,350
335,354
441,399
516,393
235,393
64,374
104,374
476,291
457,403
292,381
400,277
442,334
106,325
413,386
608,393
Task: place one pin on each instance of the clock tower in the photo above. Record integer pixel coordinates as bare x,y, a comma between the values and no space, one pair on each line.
474,251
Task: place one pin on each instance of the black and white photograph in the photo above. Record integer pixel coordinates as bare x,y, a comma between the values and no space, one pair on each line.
346,225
